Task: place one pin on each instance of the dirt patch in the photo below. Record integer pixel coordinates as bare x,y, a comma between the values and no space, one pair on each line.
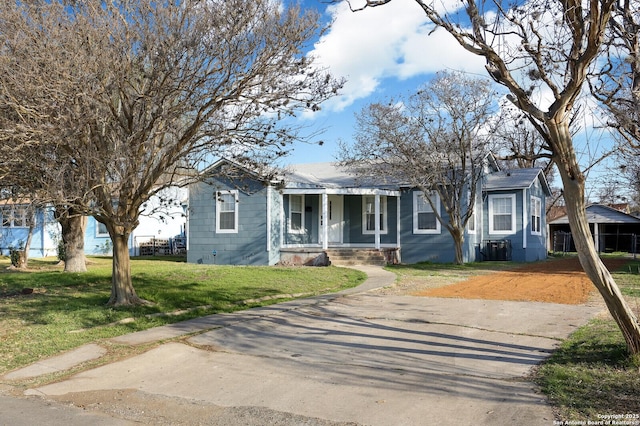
553,281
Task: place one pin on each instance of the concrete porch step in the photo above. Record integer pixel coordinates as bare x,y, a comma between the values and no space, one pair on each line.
349,257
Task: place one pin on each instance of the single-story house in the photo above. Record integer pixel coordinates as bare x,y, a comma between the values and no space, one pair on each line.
162,228
318,208
16,218
612,230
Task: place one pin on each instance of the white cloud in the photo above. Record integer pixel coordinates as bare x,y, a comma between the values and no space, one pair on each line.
388,42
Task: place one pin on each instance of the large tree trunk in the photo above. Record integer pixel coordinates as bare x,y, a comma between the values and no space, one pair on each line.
122,291
458,242
23,255
574,184
73,229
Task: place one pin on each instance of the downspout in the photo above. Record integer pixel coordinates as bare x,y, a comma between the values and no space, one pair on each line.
325,220
269,194
525,224
376,215
398,251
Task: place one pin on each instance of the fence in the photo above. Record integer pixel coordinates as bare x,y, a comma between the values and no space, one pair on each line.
147,246
607,243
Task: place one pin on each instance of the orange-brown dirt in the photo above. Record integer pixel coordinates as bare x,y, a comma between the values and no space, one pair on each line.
554,281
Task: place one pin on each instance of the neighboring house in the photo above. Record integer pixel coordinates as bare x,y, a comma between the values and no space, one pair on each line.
317,208
612,230
161,229
15,221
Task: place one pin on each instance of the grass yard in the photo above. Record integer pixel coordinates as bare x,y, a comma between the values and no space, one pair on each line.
65,311
591,375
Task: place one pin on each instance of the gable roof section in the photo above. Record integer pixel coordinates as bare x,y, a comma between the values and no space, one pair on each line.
516,179
327,175
599,213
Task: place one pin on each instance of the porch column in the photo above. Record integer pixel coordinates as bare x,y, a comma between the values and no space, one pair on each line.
526,208
377,220
596,236
398,224
325,221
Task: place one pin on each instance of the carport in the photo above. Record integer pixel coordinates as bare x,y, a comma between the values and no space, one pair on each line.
612,230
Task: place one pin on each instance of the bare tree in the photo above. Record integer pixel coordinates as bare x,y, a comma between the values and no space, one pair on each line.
546,45
436,142
616,84
517,144
136,94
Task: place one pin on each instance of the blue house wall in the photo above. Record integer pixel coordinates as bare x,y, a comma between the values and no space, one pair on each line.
44,240
433,247
247,246
526,246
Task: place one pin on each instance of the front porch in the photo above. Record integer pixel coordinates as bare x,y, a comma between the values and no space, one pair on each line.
339,256
356,218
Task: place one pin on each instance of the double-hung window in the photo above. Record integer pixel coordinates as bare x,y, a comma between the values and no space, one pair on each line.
425,220
369,214
296,214
502,214
227,211
16,216
536,216
101,230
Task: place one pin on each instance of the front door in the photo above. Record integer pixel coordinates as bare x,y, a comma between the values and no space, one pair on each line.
334,223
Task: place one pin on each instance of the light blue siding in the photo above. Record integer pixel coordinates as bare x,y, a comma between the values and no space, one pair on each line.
247,246
423,247
44,239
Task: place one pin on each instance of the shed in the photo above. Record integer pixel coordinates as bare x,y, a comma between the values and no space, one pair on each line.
612,230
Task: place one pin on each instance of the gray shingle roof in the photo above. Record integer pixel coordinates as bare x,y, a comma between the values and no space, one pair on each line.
326,175
515,179
598,213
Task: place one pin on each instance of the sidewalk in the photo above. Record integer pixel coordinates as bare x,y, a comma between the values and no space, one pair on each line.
377,278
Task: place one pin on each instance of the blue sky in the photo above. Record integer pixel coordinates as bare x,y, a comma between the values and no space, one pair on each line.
383,52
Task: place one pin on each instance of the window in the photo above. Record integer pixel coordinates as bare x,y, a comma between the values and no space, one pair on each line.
101,230
369,214
227,211
502,217
536,216
471,224
296,214
424,217
15,217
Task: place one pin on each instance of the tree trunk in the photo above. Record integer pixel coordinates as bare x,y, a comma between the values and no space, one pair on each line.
24,258
73,229
573,182
458,242
122,291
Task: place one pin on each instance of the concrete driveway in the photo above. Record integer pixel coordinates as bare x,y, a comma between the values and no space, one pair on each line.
358,358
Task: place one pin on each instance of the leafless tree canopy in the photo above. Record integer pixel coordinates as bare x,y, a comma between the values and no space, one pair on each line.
536,48
108,102
436,141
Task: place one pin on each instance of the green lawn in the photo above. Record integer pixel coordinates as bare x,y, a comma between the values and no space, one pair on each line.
68,310
592,374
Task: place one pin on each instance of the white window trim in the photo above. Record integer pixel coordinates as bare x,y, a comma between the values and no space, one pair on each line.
471,224
533,202
98,233
13,211
513,214
383,211
302,204
437,230
233,192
